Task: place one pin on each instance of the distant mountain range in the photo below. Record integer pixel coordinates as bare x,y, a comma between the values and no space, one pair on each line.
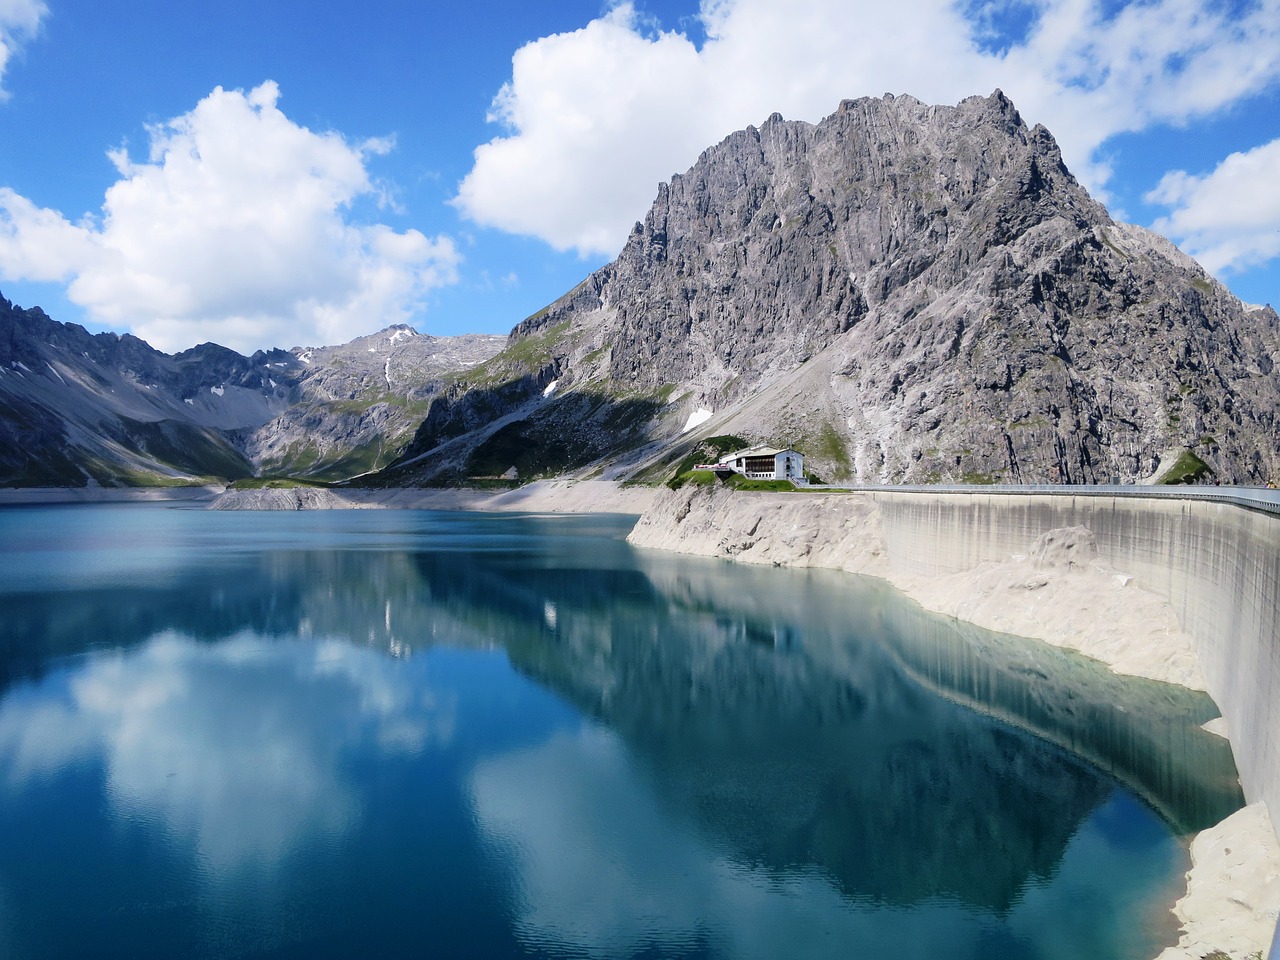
77,408
907,293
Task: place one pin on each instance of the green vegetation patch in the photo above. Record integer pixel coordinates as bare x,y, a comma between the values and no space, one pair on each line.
276,483
187,448
710,450
527,355
829,446
568,433
735,481
739,482
365,458
535,350
1188,468
699,478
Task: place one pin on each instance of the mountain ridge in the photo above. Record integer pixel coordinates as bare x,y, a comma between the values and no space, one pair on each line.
78,408
910,293
906,292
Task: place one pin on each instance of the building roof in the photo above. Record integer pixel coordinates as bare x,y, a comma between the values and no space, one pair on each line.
758,452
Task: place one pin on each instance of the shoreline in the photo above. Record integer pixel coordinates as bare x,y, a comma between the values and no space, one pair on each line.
26,496
540,496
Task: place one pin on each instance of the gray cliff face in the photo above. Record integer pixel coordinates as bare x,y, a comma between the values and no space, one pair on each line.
924,293
78,408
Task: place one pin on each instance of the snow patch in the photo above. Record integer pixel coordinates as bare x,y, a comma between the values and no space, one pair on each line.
55,372
189,400
217,390
304,357
401,335
272,382
386,371
21,365
697,419
373,349
551,388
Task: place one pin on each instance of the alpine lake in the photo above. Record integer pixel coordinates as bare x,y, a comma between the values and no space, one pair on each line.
426,734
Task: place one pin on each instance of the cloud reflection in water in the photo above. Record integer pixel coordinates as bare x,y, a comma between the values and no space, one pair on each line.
235,747
609,869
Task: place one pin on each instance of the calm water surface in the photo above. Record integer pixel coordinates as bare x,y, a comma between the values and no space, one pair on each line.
403,734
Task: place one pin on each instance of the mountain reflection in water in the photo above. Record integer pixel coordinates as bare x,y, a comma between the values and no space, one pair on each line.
322,734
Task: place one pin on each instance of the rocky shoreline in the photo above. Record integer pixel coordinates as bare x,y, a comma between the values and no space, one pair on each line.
540,496
1060,592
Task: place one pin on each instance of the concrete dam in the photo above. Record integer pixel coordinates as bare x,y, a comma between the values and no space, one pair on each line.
1213,554
1216,558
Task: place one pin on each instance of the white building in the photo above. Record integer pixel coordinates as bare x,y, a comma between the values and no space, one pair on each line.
765,463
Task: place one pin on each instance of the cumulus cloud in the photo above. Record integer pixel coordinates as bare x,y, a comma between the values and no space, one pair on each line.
1228,219
595,118
19,19
237,227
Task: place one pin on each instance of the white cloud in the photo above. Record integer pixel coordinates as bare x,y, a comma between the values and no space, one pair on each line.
596,130
1228,219
595,118
19,19
237,228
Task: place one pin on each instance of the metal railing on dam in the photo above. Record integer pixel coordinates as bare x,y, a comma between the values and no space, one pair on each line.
1253,498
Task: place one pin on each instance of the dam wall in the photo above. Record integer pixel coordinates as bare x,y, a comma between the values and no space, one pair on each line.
1217,563
1181,586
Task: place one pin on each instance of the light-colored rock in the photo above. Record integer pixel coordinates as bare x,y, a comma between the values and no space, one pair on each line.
1059,591
909,293
1233,890
542,496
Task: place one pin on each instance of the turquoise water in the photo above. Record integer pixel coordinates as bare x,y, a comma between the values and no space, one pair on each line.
411,734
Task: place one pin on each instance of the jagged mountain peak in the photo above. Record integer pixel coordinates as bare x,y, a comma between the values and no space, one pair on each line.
904,291
909,292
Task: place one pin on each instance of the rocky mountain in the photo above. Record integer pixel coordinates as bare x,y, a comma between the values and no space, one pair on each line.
905,292
77,408
356,406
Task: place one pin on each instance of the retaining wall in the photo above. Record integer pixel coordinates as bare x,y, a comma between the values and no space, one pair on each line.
1217,562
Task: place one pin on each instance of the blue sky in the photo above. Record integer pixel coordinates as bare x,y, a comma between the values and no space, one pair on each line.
275,173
